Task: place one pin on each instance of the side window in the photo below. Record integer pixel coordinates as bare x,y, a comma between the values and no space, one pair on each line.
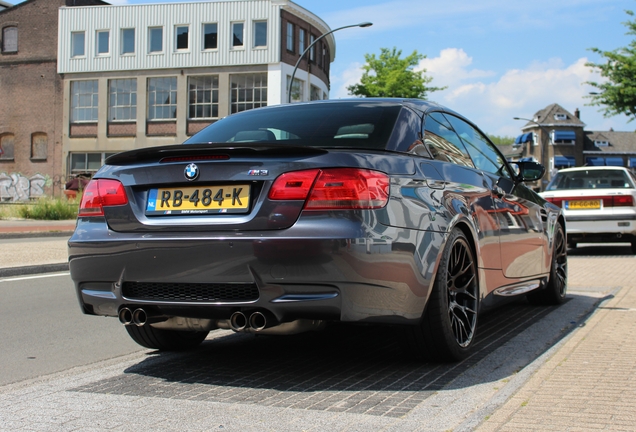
442,141
10,40
483,153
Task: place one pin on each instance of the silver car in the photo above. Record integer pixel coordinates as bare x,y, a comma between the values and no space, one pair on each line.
284,219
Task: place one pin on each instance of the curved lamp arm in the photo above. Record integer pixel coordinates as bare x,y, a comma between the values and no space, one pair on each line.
291,81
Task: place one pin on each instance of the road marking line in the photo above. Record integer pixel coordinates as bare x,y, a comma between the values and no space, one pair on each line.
19,278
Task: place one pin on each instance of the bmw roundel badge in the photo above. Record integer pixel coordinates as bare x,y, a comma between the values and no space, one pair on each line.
191,172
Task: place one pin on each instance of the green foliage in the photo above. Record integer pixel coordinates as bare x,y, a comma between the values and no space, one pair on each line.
501,140
50,209
391,76
618,94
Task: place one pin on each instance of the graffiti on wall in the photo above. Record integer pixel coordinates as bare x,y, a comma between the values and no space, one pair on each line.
16,187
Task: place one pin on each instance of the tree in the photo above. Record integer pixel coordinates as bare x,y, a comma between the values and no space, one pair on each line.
390,76
501,140
618,94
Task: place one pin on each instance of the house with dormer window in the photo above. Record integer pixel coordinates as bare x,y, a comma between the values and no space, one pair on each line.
557,138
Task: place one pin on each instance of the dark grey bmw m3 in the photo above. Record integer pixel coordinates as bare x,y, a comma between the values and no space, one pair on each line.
284,219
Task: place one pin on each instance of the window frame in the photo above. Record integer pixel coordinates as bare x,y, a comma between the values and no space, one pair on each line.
98,41
78,96
204,34
213,102
123,41
301,40
255,23
233,44
290,43
151,39
131,105
8,151
34,136
249,93
86,169
5,35
172,98
75,45
177,28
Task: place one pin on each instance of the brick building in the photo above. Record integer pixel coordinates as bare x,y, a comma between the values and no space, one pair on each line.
31,99
558,139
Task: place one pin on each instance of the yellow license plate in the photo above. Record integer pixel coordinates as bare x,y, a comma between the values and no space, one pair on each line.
583,205
198,200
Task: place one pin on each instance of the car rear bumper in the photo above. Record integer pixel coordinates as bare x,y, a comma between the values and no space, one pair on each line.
373,278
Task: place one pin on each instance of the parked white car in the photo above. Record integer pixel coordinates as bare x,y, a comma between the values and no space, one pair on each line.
599,204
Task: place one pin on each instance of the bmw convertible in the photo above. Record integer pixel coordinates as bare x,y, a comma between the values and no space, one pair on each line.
285,219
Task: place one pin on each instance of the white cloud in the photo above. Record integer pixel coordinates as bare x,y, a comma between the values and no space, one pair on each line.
492,104
339,83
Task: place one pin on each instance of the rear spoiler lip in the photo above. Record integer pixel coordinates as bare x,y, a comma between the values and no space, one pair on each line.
156,154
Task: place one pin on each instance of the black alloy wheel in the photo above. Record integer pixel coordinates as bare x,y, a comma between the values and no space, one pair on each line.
556,288
448,325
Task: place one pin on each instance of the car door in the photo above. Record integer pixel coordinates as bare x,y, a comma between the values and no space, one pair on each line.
522,240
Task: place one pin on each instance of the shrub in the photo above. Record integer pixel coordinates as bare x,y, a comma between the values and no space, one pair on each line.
50,209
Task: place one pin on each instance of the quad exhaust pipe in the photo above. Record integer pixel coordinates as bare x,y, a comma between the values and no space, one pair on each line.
256,322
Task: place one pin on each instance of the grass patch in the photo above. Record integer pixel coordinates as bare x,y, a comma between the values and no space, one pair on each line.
42,209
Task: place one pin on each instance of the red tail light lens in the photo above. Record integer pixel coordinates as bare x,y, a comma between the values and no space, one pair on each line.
623,201
334,188
101,193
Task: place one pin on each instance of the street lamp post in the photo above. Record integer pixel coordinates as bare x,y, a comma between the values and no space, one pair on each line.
291,81
541,146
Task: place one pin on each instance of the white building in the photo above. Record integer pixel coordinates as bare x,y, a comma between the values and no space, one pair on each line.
154,74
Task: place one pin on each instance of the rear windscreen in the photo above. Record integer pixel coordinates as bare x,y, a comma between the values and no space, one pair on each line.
592,179
326,125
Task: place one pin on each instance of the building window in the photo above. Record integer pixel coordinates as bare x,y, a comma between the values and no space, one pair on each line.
162,98
260,34
560,116
315,93
77,44
290,37
181,36
210,36
128,41
301,41
203,97
10,39
103,45
599,143
297,90
87,162
248,91
39,144
237,34
84,101
6,146
155,39
312,51
122,100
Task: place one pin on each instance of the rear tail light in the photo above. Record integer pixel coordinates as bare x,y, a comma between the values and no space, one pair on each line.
333,188
100,193
608,201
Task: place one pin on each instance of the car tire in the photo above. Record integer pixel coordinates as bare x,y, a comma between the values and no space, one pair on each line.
165,340
556,288
447,329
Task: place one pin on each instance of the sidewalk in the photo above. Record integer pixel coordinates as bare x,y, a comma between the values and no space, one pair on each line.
30,246
589,383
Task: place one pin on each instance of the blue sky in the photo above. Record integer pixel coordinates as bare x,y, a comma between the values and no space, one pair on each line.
499,58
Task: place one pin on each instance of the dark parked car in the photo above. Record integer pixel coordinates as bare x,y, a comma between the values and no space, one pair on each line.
282,219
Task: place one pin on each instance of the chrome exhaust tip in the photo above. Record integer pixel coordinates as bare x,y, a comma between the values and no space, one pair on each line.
125,316
139,317
238,321
258,321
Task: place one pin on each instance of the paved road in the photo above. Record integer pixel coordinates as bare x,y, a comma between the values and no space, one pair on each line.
43,331
346,378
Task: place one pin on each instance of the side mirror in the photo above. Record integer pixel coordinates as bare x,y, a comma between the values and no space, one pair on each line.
528,171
